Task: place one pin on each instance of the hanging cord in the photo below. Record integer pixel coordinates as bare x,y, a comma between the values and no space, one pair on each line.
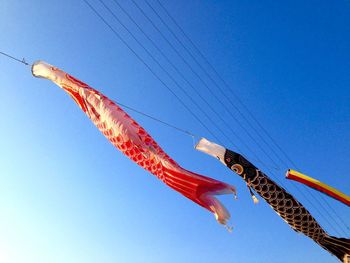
23,61
193,136
158,120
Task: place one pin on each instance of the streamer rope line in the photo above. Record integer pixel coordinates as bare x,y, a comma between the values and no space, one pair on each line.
23,61
158,120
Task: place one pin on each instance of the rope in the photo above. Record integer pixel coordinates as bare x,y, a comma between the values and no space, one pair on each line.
128,107
23,61
158,120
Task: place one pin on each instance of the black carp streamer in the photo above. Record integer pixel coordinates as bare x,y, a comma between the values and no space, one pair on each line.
284,204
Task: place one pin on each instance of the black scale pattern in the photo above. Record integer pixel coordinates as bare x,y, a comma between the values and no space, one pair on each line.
285,205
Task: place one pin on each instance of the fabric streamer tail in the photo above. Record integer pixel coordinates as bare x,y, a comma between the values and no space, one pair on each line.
340,247
203,194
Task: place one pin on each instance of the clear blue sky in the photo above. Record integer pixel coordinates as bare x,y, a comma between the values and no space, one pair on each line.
67,195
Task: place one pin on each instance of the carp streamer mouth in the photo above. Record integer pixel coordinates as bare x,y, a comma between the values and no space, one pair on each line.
213,149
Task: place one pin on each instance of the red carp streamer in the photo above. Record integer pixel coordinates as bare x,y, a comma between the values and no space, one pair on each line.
130,138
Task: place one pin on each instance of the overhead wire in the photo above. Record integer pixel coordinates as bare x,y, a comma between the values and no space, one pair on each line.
172,78
192,70
153,72
176,83
149,68
237,98
206,86
205,71
23,61
158,63
184,78
177,52
164,70
256,156
325,218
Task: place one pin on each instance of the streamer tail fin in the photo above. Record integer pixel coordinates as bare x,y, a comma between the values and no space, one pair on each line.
340,247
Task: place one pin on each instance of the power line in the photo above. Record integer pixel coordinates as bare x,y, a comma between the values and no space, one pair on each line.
276,178
205,84
166,72
215,83
177,52
23,61
174,80
149,68
185,79
236,97
153,72
133,36
179,86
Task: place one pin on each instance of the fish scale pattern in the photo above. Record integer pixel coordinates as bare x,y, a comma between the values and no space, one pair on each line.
287,207
284,204
133,141
134,152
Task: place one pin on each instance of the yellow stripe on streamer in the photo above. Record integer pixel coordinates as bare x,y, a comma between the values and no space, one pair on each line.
316,184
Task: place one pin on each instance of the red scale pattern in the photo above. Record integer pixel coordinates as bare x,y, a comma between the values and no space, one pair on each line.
130,138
